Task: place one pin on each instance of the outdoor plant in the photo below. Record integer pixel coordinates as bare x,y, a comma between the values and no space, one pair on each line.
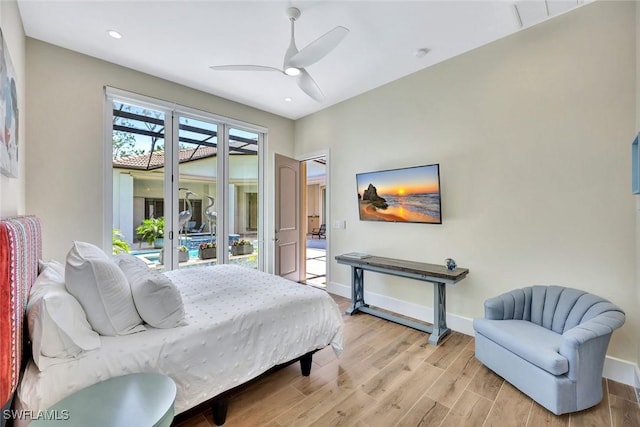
183,254
207,250
151,229
118,244
207,245
241,247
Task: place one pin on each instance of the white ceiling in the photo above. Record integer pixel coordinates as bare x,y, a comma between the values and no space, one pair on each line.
180,40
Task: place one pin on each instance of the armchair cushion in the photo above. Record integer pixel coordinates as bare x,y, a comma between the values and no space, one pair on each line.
534,343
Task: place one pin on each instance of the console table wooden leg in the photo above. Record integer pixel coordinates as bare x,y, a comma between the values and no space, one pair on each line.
357,290
440,329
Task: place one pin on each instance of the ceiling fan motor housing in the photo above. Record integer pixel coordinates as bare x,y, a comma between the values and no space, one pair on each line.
293,13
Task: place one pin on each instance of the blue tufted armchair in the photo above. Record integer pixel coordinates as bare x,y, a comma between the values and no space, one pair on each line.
550,342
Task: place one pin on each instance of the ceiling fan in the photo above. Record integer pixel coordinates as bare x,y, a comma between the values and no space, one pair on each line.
296,61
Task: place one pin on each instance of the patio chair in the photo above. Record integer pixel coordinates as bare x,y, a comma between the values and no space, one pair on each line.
320,232
193,229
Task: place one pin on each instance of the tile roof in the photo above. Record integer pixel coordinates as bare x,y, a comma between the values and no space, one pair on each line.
156,159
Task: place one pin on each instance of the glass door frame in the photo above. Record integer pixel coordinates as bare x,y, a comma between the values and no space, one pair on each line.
173,112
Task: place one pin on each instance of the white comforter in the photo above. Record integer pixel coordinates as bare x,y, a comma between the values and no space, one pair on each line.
241,322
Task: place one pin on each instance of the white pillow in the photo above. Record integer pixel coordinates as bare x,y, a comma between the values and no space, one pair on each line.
125,257
102,290
59,267
156,297
58,326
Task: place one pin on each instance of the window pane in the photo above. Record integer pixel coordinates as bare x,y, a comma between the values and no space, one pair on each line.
243,209
146,207
138,182
198,201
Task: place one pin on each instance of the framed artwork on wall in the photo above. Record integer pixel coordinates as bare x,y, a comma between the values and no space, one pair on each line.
8,114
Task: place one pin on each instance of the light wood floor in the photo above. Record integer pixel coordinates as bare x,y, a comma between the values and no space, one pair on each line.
389,376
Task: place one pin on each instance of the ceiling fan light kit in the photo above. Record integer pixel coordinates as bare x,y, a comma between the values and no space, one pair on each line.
292,71
295,61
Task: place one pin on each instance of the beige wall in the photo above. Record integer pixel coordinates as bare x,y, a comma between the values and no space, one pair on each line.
65,158
12,190
532,134
638,198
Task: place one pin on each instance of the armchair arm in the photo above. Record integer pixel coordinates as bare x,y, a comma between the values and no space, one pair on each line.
494,308
585,346
600,325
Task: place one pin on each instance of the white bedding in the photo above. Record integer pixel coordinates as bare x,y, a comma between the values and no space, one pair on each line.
241,322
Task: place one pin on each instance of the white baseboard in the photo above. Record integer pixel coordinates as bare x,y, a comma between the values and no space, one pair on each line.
620,370
615,369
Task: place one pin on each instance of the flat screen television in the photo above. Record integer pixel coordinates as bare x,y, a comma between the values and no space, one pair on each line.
409,194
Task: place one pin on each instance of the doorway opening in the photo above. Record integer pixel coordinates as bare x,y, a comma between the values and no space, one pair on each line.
316,215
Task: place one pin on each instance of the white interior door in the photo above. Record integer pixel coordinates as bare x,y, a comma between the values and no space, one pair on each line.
287,253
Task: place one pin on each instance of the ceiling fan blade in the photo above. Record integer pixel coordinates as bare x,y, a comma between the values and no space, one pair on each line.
319,48
309,86
244,68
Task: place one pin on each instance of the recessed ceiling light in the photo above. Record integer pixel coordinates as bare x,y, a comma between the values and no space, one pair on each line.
114,34
288,99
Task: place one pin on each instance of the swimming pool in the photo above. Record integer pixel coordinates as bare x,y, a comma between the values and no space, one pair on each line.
153,255
152,258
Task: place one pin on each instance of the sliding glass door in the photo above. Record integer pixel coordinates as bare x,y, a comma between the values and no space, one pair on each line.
198,200
138,179
243,207
186,185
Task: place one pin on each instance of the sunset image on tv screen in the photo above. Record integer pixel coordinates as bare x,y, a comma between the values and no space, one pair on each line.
400,195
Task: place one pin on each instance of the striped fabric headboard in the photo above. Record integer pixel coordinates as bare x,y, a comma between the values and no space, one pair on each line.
20,250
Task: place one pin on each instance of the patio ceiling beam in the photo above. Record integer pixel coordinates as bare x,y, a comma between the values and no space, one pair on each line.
155,121
139,131
195,129
138,117
160,135
197,142
241,139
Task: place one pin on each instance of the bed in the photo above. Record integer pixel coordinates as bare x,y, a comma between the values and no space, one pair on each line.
240,324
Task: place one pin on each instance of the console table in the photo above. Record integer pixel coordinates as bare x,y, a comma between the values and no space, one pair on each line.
439,275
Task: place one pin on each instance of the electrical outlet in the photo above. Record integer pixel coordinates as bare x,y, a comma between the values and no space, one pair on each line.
339,224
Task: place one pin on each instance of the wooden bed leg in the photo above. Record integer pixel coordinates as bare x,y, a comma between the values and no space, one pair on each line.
305,364
219,409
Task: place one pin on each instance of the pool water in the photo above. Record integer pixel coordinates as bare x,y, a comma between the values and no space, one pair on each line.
154,254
